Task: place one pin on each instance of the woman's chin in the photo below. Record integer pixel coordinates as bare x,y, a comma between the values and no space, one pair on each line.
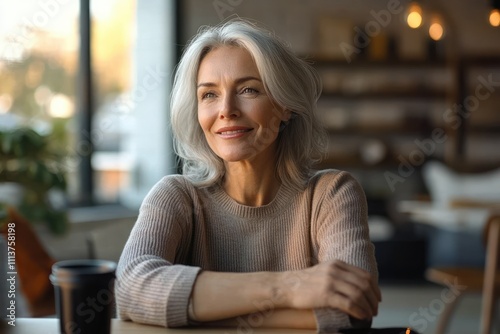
233,158
236,155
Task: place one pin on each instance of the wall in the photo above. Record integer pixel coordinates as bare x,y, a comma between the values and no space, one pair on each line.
296,20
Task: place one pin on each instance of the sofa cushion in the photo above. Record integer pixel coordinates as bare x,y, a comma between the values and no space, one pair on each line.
447,187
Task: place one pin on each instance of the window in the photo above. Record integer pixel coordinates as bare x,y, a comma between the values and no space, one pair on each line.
113,27
39,52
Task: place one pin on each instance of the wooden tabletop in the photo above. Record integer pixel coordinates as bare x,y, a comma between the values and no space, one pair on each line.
51,326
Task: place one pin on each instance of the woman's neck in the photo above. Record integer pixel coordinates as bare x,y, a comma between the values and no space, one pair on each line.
249,184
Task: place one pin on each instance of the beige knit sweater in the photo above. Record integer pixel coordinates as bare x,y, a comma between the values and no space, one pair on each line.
182,229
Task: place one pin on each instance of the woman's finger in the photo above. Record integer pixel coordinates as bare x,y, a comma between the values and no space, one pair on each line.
354,294
346,305
362,280
360,271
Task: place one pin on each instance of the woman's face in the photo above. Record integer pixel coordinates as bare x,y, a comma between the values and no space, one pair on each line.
239,119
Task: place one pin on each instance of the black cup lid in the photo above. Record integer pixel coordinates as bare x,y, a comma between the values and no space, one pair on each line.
71,270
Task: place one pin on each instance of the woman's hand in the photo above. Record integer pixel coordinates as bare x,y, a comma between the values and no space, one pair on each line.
334,284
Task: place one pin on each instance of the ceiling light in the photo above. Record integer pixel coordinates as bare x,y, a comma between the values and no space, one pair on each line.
414,15
495,17
436,29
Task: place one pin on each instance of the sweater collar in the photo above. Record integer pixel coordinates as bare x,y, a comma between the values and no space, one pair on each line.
281,202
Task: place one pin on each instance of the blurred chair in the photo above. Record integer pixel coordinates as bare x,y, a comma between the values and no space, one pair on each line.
477,280
33,265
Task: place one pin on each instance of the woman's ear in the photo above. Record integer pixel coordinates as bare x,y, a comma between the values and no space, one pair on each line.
287,114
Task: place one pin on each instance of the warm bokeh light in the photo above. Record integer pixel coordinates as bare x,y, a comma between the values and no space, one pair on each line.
436,29
495,17
43,95
5,103
61,106
414,17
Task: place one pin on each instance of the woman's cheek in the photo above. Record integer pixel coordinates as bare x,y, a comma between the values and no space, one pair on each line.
204,119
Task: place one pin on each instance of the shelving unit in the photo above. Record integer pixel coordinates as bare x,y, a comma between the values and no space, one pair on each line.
389,104
379,114
480,128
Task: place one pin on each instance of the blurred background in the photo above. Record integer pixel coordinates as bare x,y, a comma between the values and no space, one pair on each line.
411,103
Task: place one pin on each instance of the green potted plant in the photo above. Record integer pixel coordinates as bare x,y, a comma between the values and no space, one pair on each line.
34,163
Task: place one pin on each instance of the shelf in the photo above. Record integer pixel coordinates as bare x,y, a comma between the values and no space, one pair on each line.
476,167
483,129
355,161
381,131
387,95
491,61
403,63
366,63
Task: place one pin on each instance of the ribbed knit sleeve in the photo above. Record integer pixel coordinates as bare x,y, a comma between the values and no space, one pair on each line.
340,231
149,287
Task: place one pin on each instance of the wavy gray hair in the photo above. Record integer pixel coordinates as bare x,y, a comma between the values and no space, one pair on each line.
289,81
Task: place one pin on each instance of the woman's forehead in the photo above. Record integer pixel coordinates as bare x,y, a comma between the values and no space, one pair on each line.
227,61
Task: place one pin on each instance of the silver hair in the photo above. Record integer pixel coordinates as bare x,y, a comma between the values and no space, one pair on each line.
289,81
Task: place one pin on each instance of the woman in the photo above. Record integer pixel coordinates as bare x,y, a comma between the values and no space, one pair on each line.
249,235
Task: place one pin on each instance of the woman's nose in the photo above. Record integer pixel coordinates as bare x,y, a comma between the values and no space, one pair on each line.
229,107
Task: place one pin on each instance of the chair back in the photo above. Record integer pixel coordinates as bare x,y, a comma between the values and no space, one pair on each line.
491,272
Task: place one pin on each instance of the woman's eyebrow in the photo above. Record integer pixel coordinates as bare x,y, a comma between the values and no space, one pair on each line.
247,78
237,81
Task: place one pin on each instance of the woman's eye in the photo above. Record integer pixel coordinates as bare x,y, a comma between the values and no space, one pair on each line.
249,90
208,95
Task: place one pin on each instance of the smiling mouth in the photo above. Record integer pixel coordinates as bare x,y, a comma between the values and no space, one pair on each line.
232,132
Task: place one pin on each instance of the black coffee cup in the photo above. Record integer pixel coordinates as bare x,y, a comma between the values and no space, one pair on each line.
84,293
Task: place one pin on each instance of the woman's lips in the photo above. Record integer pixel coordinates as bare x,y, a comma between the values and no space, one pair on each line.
233,131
